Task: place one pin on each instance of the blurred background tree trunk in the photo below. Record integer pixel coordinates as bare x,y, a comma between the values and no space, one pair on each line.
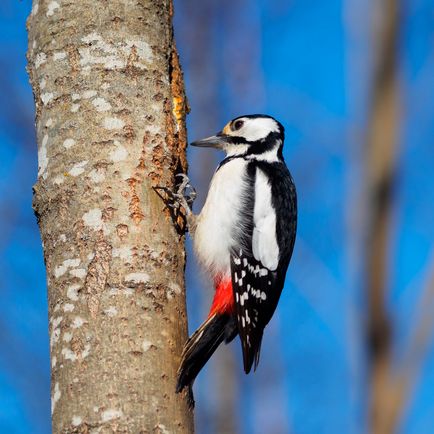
110,121
385,400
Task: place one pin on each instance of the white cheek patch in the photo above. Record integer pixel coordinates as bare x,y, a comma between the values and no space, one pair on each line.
237,149
258,128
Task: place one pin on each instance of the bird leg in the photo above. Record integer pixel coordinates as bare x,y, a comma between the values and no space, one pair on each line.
182,197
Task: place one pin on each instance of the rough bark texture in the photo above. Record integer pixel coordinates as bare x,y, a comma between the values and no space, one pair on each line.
110,112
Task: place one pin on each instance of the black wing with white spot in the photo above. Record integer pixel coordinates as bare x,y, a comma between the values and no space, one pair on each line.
254,293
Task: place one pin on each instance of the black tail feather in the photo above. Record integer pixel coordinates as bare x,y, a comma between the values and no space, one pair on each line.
201,346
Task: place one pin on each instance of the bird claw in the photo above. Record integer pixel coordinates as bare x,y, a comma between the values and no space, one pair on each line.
183,196
185,189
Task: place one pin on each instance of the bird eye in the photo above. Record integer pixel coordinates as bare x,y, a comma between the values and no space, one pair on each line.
238,124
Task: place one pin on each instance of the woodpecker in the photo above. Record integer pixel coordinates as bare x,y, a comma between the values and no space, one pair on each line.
244,237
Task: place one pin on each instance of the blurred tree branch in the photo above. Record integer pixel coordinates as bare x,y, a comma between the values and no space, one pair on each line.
381,157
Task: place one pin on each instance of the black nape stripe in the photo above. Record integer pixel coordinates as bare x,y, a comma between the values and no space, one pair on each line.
267,141
261,146
257,147
227,159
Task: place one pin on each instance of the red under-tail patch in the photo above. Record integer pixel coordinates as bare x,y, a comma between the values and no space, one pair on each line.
223,301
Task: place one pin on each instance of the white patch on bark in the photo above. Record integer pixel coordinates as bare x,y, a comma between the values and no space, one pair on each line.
40,59
111,311
97,175
99,53
101,104
68,307
146,345
54,337
68,354
154,129
55,397
87,94
75,96
113,123
67,337
111,414
47,97
124,253
109,62
93,219
77,323
175,288
68,143
78,168
76,420
155,255
125,175
56,321
53,361
42,157
113,55
59,55
86,351
42,84
74,108
60,270
78,272
119,153
72,292
52,6
143,49
92,37
58,180
128,292
49,123
35,8
137,277
163,429
114,291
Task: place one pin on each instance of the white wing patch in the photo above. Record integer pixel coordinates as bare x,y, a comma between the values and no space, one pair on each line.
264,242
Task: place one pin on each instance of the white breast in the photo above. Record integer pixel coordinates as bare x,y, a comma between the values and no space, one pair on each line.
219,218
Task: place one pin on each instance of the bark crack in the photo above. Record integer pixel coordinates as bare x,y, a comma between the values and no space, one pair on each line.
96,277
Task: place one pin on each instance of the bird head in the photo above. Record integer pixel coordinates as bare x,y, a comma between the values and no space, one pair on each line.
254,135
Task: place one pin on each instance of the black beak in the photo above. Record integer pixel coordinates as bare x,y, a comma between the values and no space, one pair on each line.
219,141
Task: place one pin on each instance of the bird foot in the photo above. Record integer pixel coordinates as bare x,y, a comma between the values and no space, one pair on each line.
182,197
185,193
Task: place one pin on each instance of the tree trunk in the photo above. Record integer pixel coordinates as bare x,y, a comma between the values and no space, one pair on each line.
381,161
110,112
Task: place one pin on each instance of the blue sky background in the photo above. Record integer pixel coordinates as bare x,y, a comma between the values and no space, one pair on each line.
309,63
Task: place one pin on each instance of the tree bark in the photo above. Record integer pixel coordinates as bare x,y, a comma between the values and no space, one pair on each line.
110,120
